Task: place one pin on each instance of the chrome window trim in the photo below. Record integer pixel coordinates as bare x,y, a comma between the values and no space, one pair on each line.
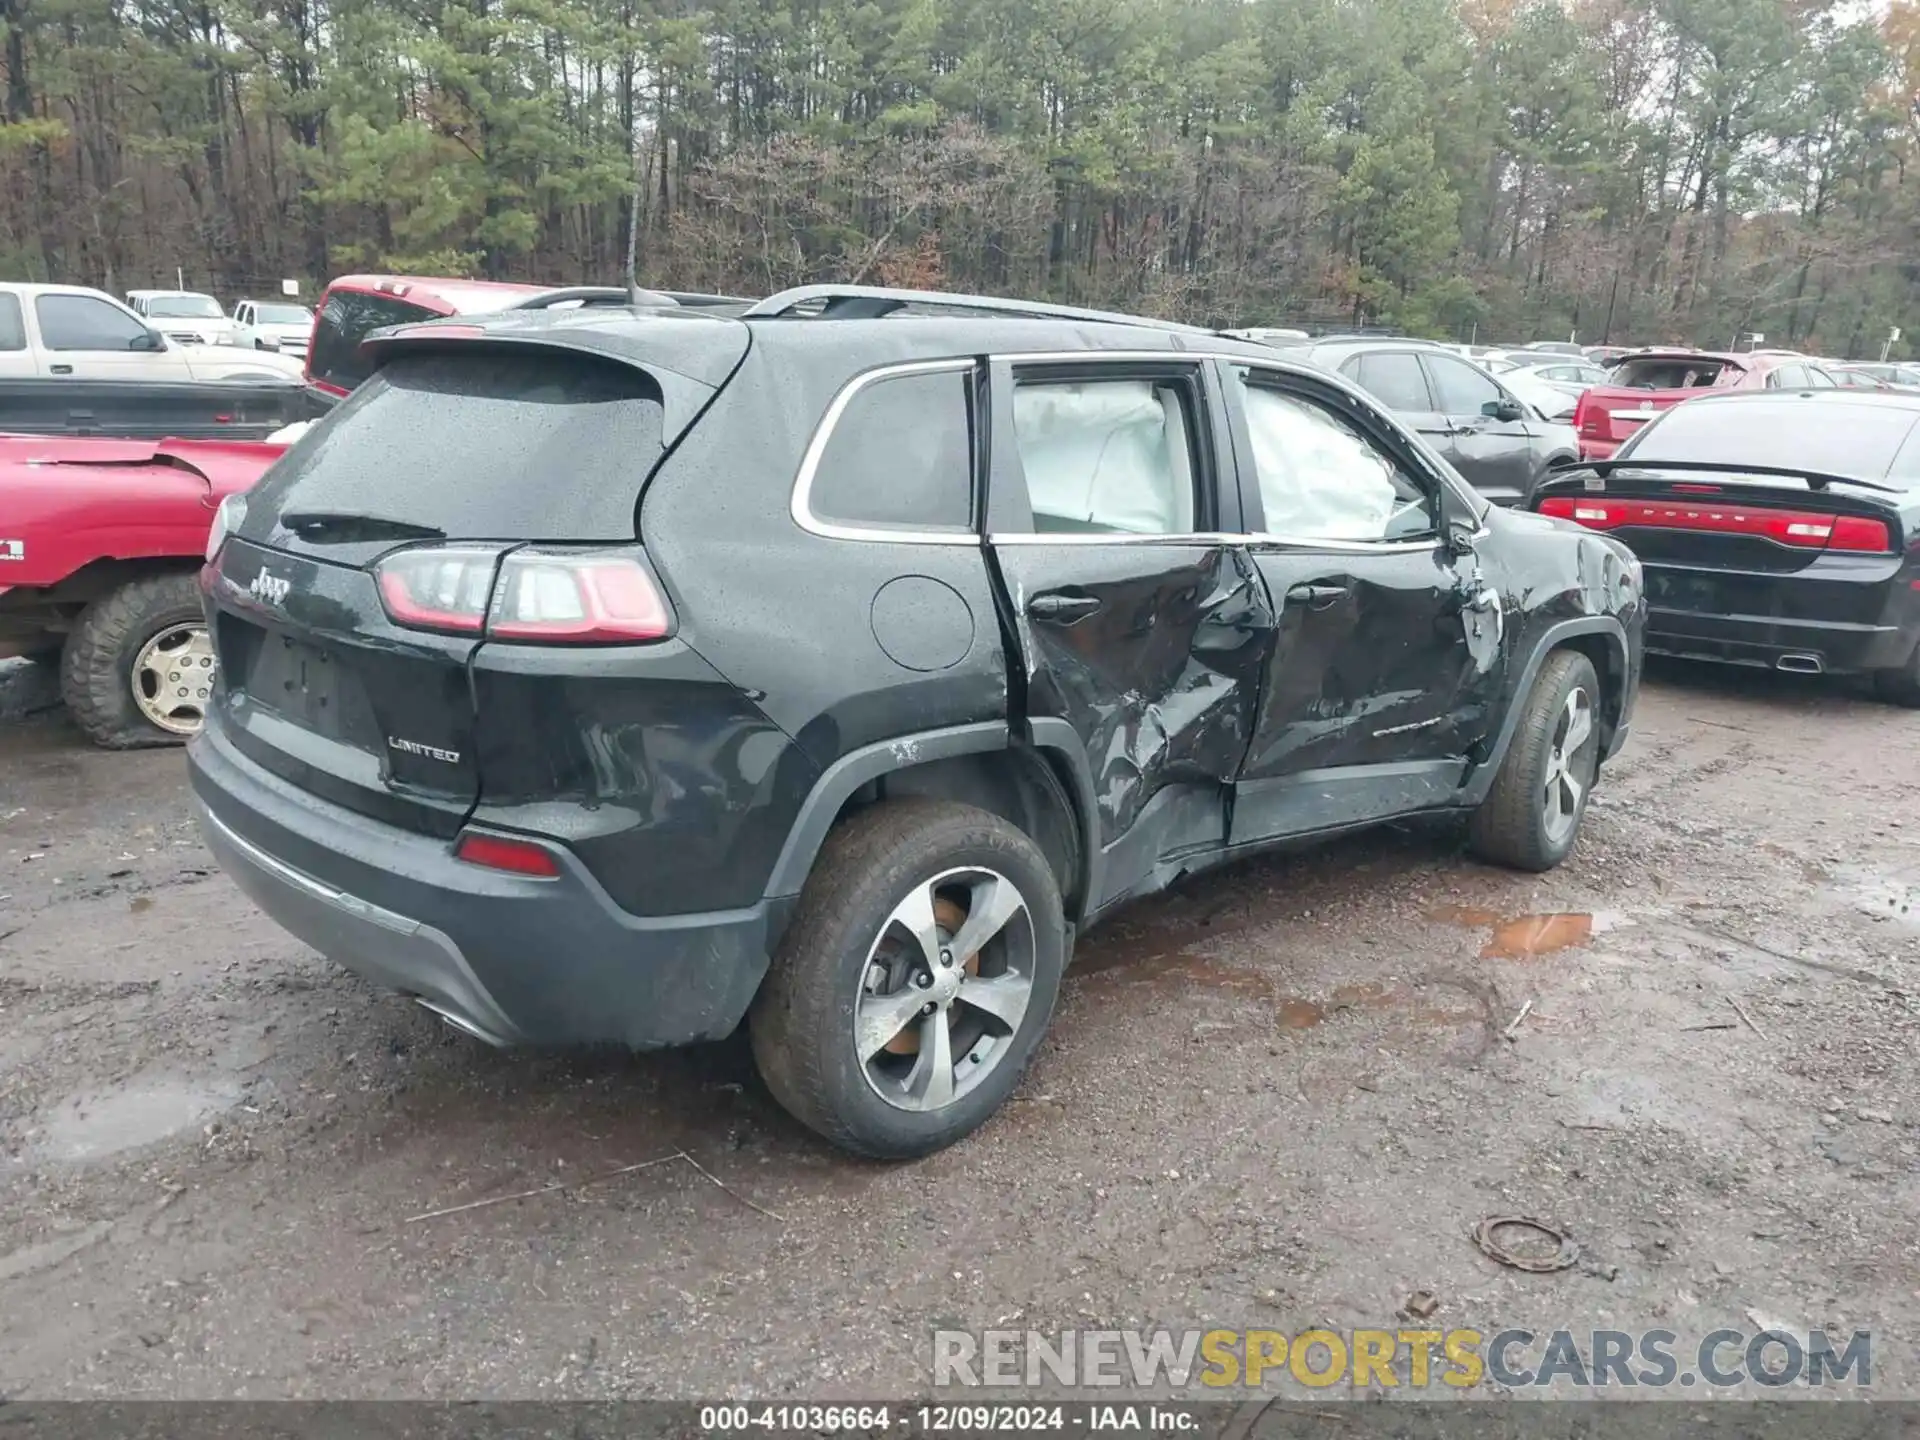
801,507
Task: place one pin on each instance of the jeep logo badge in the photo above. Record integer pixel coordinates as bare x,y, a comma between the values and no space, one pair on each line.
270,588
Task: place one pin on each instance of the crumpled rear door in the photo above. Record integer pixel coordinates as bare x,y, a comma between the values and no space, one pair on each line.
1148,641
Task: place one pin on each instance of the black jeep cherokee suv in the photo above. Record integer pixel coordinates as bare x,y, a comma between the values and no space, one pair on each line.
606,676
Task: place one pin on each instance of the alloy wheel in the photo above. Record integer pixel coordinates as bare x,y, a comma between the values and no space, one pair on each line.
947,982
1568,773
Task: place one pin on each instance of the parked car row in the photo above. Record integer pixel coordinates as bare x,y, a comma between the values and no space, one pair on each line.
192,318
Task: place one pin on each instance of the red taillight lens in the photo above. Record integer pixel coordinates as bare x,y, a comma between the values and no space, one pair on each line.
1589,419
1854,532
1801,529
519,857
555,598
547,597
438,589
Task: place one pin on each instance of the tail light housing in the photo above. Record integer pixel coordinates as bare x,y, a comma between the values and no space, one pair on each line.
1802,529
530,595
1590,417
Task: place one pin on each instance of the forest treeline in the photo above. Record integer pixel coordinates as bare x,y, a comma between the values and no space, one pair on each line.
1644,170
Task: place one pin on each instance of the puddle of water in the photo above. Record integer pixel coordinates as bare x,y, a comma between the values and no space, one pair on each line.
1176,968
1298,1014
1885,897
94,1124
1528,937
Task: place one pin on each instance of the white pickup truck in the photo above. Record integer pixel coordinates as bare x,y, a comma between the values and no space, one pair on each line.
49,331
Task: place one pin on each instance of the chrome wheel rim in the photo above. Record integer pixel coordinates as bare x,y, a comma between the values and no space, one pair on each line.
946,983
1568,774
172,678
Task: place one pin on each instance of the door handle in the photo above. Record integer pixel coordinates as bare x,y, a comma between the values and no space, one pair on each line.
1317,597
1061,608
61,369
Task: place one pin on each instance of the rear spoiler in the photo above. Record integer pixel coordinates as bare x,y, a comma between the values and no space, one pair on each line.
1816,479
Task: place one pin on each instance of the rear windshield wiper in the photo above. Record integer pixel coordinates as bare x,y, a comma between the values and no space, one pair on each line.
342,527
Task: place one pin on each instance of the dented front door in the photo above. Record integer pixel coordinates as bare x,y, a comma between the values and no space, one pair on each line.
1138,625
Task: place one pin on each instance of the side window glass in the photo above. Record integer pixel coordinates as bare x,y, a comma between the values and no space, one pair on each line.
13,328
900,457
1460,389
1322,479
1396,380
79,322
1818,378
1106,456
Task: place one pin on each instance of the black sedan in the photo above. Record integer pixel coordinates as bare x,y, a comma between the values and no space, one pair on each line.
1780,530
1501,445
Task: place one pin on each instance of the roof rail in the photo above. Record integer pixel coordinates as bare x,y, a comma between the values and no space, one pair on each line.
590,295
865,302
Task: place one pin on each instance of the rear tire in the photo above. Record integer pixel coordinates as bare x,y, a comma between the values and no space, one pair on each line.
1902,686
1531,817
119,641
840,1030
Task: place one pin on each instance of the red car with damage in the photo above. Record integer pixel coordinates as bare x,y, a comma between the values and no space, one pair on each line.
100,545
1649,381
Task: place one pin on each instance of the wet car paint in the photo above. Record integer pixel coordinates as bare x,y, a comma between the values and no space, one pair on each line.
698,776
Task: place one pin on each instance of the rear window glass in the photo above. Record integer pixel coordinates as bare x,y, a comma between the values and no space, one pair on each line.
542,446
1863,439
13,332
900,457
1673,374
347,318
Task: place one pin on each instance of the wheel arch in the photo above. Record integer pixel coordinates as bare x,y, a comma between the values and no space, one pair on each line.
1044,788
1603,640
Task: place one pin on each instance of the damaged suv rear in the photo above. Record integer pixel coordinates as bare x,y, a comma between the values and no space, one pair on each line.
605,677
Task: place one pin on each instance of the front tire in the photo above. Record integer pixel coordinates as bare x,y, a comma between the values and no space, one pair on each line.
138,668
1531,817
915,980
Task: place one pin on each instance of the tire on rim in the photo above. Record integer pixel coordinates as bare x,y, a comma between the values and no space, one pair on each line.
1901,686
915,980
1531,817
138,668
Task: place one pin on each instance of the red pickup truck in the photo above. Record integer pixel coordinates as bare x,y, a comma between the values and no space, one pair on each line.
1649,381
101,540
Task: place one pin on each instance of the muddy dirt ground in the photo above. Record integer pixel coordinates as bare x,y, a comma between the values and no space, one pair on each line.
1279,1097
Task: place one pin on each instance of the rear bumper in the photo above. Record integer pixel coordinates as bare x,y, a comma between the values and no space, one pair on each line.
1776,642
512,959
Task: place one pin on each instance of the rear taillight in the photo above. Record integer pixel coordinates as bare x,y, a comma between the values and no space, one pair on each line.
517,857
551,597
542,597
1589,418
1802,529
226,520
438,589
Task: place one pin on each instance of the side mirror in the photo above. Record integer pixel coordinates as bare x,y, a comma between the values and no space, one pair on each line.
148,341
1504,409
1458,525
